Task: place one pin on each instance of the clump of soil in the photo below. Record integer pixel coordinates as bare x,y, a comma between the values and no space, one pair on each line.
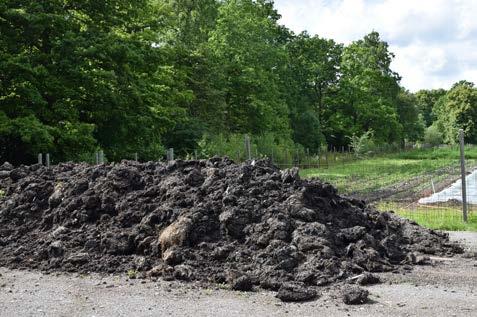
248,225
355,295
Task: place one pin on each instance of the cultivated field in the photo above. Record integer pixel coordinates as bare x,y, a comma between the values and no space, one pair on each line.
396,182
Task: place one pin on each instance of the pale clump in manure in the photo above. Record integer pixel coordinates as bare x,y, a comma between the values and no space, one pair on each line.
248,226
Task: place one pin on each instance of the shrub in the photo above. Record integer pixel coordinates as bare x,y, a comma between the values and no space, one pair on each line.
283,151
433,136
363,144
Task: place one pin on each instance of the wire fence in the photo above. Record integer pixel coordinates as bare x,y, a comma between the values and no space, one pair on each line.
426,191
255,147
430,195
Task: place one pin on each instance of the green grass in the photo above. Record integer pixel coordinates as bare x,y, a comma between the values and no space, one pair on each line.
394,172
439,218
371,174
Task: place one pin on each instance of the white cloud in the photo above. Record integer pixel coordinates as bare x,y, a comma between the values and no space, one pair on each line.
435,41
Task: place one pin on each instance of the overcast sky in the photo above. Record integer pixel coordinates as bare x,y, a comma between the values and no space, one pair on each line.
435,41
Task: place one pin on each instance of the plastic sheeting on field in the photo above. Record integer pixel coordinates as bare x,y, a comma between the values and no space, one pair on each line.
454,192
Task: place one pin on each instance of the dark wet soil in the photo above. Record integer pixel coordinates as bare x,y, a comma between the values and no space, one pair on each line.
247,226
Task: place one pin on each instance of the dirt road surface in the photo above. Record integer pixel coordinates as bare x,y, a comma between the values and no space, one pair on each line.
448,288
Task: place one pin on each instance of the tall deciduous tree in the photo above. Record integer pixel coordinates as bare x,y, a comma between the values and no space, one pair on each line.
191,25
409,116
246,44
426,100
312,83
458,110
83,74
369,89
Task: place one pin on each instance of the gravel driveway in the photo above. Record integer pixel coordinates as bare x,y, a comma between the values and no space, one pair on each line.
448,288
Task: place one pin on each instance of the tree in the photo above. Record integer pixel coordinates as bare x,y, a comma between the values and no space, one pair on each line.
458,110
200,72
312,83
138,76
426,100
316,61
246,44
369,90
81,75
410,119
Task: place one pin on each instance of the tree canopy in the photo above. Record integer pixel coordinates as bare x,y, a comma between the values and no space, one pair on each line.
139,76
457,109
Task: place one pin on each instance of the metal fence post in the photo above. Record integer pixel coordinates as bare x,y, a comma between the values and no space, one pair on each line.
136,157
48,160
96,154
40,159
462,171
101,157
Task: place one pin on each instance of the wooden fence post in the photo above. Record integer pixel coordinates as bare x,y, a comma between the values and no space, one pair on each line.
248,150
170,154
101,157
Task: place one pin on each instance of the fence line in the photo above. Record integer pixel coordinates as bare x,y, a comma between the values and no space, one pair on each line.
368,185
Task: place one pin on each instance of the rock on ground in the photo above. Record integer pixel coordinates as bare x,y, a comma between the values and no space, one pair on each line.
355,295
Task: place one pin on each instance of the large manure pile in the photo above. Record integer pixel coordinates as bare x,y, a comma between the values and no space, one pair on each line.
248,225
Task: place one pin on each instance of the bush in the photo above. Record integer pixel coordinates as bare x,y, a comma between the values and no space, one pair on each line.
21,139
363,144
231,145
433,136
281,150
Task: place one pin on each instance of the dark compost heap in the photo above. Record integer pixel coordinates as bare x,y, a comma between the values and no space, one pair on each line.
209,220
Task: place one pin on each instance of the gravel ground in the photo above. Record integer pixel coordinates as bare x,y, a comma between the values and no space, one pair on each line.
447,288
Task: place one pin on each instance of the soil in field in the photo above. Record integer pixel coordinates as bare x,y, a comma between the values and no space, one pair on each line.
247,226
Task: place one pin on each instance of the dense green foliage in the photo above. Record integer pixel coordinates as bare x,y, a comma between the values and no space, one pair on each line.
77,75
457,109
139,76
445,112
426,99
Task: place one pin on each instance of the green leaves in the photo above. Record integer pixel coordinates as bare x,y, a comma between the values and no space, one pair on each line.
372,89
23,137
139,76
457,109
244,42
84,74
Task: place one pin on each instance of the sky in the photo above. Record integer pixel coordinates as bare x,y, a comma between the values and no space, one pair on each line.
435,41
